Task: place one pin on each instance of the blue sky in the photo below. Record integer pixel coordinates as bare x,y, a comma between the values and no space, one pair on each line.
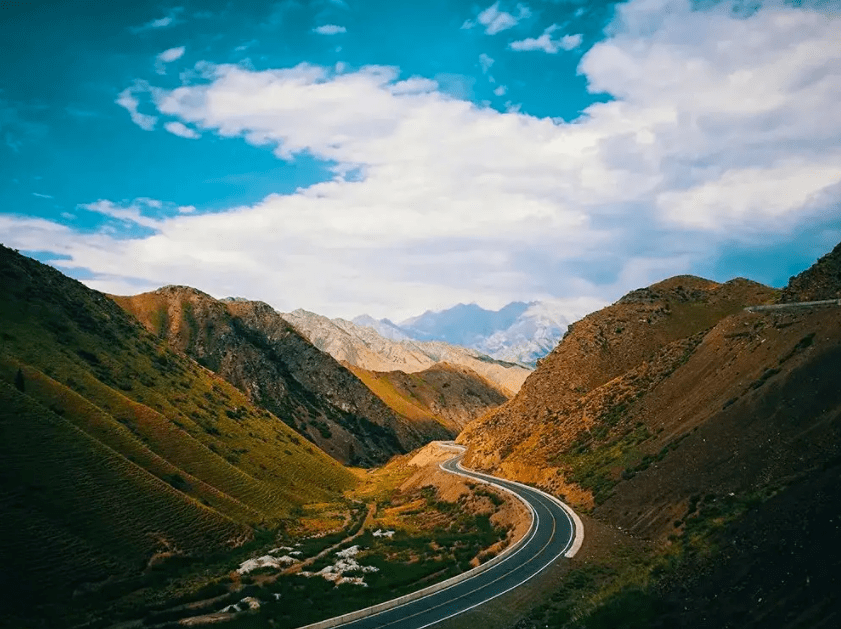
389,158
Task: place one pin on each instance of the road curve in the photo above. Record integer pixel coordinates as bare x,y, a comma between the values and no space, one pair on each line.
555,532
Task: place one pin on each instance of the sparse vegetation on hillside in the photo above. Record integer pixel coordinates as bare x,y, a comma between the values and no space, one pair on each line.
712,433
122,455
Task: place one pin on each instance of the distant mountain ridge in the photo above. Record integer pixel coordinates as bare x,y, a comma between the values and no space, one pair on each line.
519,332
364,347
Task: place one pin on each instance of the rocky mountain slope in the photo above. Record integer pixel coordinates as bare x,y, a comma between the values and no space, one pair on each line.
676,417
120,458
818,282
254,348
600,347
363,347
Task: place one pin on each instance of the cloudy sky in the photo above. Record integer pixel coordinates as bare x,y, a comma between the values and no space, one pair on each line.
381,157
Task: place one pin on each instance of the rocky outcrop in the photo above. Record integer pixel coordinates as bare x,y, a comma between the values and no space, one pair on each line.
820,281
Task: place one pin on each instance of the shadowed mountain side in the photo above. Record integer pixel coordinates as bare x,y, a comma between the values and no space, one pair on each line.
447,394
254,348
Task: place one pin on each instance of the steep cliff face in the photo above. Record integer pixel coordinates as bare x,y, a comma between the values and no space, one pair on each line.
254,348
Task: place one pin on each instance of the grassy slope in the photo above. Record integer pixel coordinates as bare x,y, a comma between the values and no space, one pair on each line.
141,425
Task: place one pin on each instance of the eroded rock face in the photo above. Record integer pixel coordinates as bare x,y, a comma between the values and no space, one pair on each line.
254,348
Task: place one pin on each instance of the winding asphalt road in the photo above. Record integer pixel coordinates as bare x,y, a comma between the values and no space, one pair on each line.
553,534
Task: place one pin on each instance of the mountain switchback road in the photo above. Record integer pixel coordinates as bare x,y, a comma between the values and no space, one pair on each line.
553,534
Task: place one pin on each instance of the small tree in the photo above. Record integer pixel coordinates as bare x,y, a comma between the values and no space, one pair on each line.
19,381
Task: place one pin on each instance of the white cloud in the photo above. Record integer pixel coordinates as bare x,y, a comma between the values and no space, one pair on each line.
171,54
170,19
546,43
182,130
501,90
329,29
495,20
130,103
485,61
168,56
721,127
42,196
127,213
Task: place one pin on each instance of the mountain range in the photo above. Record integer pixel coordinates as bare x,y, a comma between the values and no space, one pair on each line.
698,436
364,347
519,332
254,347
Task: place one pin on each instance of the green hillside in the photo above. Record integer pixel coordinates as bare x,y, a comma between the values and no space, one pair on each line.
117,451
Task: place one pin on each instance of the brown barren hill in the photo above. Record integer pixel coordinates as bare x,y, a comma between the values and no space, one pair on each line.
551,407
720,448
254,348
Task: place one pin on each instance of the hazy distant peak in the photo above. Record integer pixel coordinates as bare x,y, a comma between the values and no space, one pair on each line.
383,346
383,327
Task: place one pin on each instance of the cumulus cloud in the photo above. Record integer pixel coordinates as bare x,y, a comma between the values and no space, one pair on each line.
168,56
329,29
180,129
722,128
485,61
546,43
495,20
129,101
